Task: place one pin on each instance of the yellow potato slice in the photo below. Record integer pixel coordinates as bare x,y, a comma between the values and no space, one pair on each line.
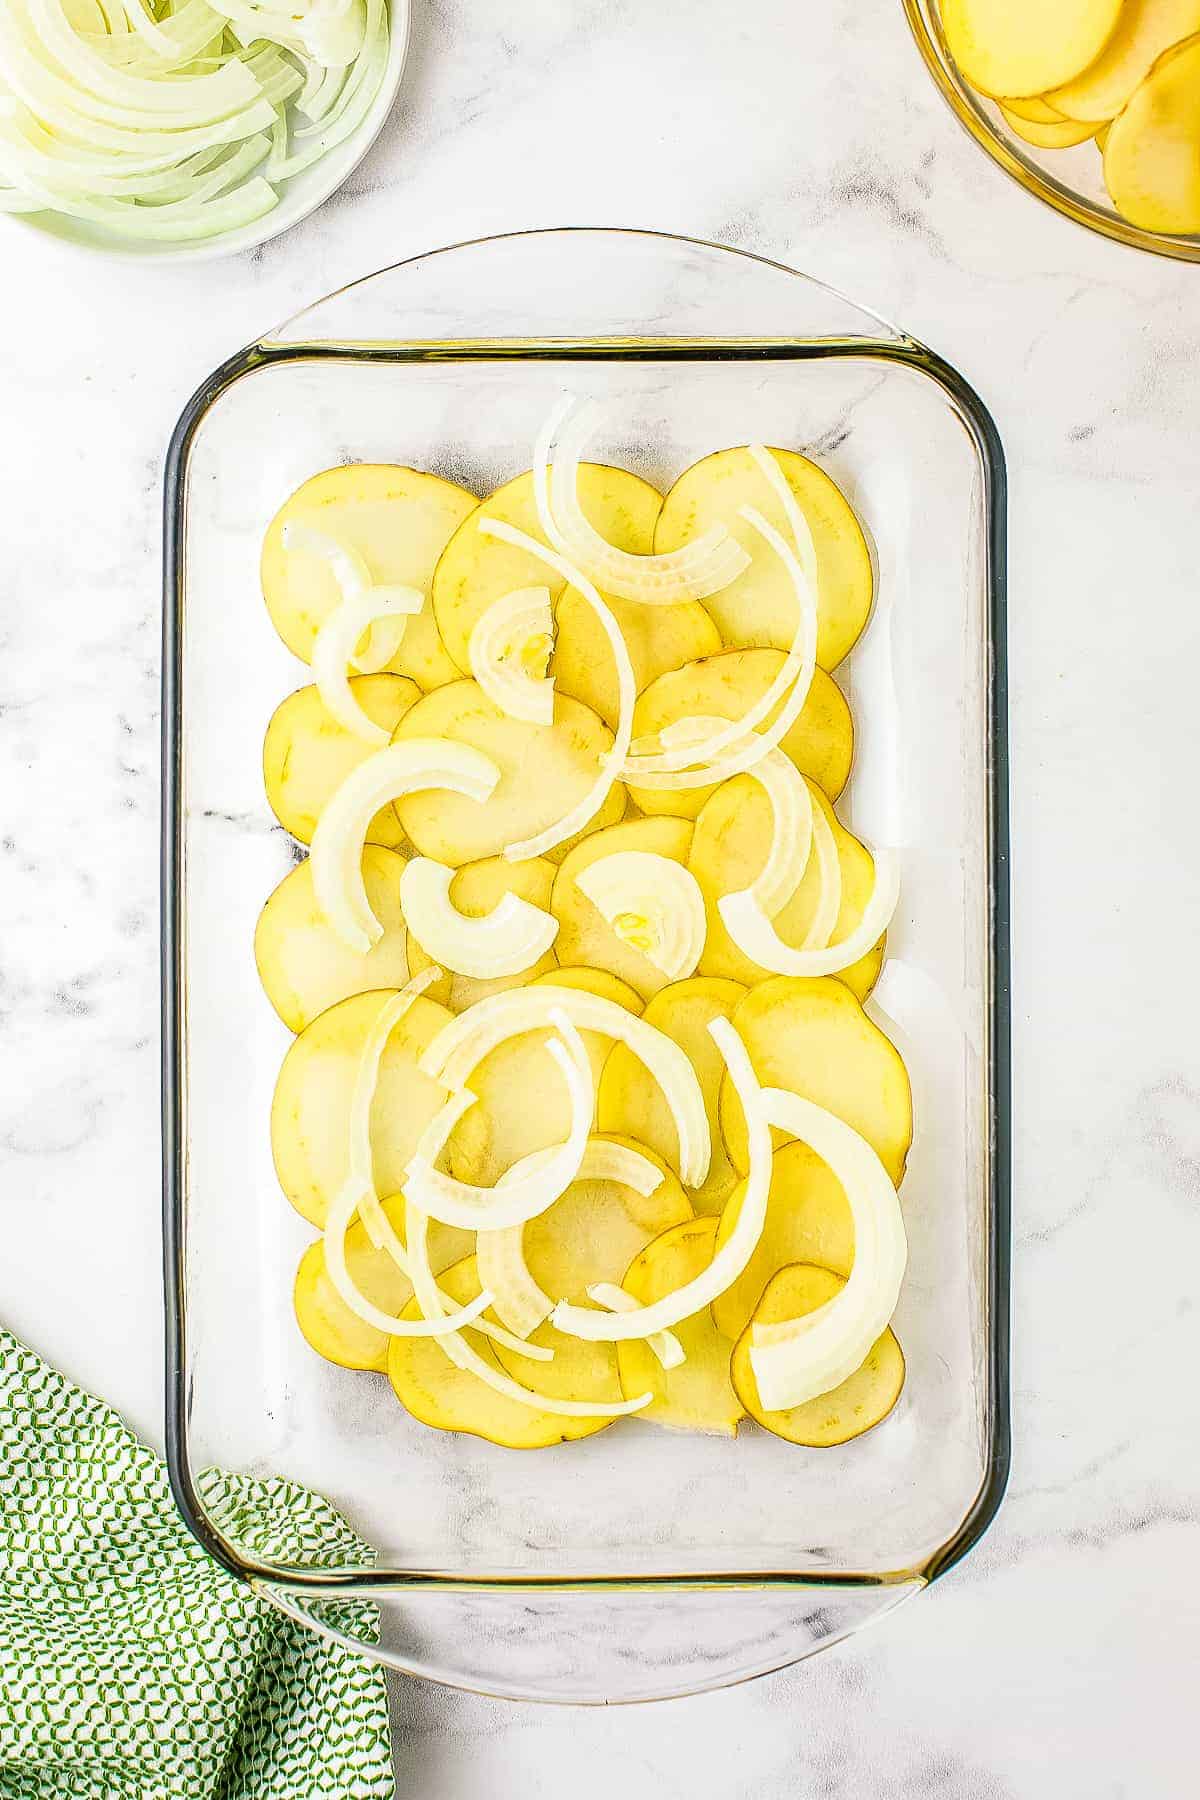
848,1410
820,743
808,1221
631,1103
595,1229
307,754
658,638
698,1395
435,1391
584,934
813,1036
1026,46
1057,134
580,1370
592,981
1102,136
333,1330
1152,157
475,570
400,521
544,771
521,1098
759,608
730,845
476,890
304,966
1145,29
1033,107
310,1113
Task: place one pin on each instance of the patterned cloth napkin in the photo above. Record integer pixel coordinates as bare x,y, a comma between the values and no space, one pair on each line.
131,1666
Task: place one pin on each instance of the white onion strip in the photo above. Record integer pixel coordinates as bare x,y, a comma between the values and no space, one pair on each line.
791,835
341,1211
464,1041
729,1261
620,1162
333,652
384,630
515,620
505,941
653,904
797,1359
663,1344
699,569
755,934
586,809
409,767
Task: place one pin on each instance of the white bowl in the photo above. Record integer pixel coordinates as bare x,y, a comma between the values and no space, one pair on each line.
299,197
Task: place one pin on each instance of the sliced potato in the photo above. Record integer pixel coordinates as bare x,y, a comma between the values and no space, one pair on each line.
1035,108
1145,30
476,890
592,981
438,1393
658,638
1102,136
595,1229
475,570
1054,134
1152,156
584,934
307,754
729,849
1025,46
400,521
628,1102
521,1098
544,771
759,608
304,966
580,1370
820,743
698,1395
848,1410
813,1036
310,1114
808,1221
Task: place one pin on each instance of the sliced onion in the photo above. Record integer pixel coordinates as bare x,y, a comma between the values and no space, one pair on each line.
464,1357
333,651
586,809
797,1359
682,1302
792,831
409,767
463,1043
382,633
701,568
789,690
754,933
534,1183
653,903
793,512
619,1162
664,1344
494,650
341,1211
505,941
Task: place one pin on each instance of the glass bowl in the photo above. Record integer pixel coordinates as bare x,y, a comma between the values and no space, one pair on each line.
1070,181
638,1563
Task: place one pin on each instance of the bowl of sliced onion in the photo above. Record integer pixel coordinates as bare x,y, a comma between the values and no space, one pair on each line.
158,129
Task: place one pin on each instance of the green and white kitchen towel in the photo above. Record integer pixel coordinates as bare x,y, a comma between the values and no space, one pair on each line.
131,1666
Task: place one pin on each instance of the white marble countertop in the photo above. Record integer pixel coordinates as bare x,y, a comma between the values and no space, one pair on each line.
1058,1661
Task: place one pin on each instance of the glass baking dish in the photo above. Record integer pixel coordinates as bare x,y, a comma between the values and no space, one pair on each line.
637,1563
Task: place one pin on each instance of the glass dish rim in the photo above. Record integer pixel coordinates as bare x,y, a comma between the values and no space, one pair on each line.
1026,173
897,348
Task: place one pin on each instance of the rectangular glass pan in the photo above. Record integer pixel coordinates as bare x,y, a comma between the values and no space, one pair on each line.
450,364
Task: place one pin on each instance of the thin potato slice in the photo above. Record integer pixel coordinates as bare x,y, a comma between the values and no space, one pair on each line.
759,608
856,1405
813,1037
658,638
628,1102
475,570
808,1221
580,1370
593,1232
476,890
592,981
1145,30
1034,108
438,1393
820,743
584,934
544,771
1152,156
310,1114
697,1395
400,521
729,849
1026,46
307,754
305,967
1054,134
